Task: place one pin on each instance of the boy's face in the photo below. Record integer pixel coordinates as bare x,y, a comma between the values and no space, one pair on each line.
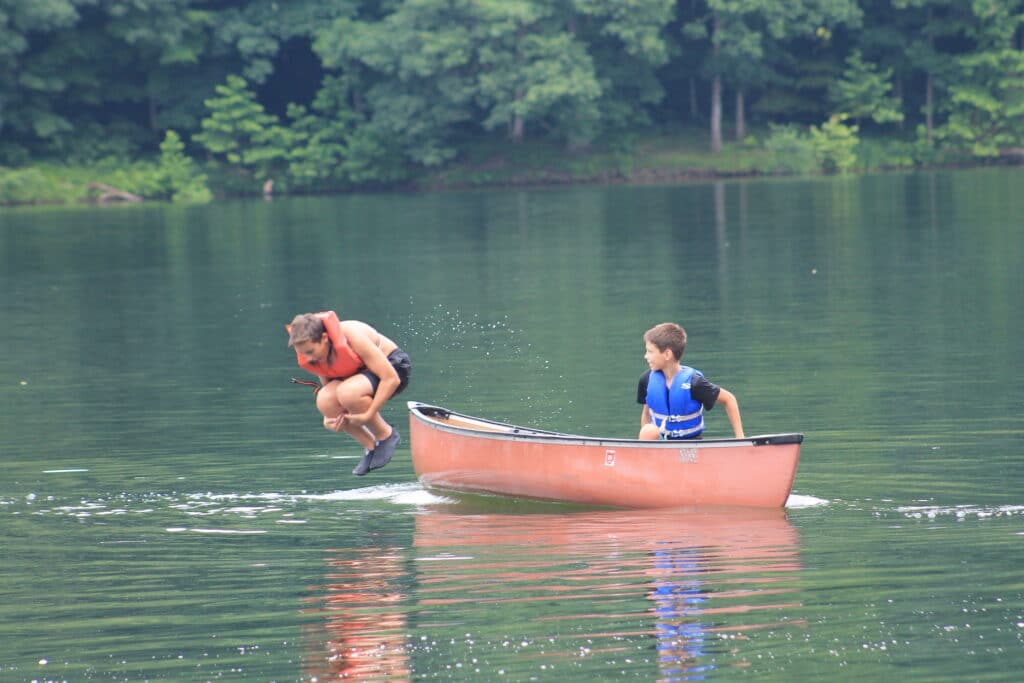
657,359
315,351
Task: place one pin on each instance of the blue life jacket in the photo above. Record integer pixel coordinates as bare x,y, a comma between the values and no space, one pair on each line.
672,409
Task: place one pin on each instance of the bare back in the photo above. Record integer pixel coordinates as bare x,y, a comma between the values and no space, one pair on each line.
376,338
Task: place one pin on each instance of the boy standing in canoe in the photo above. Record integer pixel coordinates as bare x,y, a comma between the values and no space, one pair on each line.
674,396
360,370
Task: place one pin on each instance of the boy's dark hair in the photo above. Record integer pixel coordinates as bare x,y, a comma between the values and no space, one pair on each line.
667,336
305,327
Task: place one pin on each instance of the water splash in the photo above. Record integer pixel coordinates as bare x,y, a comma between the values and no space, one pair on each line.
959,512
796,501
487,341
410,493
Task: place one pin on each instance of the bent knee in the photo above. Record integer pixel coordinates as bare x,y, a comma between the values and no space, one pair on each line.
649,432
354,390
327,400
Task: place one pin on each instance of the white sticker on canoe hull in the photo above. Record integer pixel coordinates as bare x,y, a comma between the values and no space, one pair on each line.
688,455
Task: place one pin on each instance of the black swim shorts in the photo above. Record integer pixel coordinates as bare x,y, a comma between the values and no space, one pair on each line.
399,360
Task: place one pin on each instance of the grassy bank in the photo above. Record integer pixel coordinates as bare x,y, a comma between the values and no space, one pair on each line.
681,156
109,180
654,157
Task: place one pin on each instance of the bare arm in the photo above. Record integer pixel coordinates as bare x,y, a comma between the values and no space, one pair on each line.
732,410
377,363
645,416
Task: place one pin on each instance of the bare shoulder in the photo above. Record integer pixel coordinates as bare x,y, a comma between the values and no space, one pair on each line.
357,329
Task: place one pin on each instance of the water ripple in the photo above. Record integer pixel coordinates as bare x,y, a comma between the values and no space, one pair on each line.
666,594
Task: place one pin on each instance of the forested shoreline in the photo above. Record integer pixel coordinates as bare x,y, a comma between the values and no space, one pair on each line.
126,100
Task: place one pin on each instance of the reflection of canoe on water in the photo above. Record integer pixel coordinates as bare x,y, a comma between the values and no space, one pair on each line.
683,582
741,538
575,585
464,453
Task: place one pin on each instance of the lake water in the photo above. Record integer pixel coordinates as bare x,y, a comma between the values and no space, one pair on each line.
170,508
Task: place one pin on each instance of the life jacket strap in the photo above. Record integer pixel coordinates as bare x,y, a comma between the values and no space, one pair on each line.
316,385
678,418
662,423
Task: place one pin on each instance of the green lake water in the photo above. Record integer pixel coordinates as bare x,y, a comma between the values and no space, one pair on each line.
172,510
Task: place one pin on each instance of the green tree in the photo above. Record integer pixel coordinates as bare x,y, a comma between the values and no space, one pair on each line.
433,71
863,92
178,176
964,55
415,78
167,48
255,29
26,93
986,107
319,154
920,40
739,33
538,76
240,133
627,42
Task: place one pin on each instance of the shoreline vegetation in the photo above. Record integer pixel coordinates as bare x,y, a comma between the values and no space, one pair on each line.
656,157
195,100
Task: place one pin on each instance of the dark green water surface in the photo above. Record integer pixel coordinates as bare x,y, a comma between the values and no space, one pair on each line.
170,508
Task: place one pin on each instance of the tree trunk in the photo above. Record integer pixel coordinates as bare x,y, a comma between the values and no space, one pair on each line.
694,109
518,124
929,88
929,106
716,95
898,91
741,122
104,194
716,115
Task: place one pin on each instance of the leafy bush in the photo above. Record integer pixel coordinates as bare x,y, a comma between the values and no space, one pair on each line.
789,150
179,178
886,153
29,186
927,151
13,154
835,145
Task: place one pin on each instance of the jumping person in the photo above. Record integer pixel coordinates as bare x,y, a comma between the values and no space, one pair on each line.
675,396
360,370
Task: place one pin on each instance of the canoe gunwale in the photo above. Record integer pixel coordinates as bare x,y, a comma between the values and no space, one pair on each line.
489,429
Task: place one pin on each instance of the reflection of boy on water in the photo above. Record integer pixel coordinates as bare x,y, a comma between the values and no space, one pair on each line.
365,620
360,370
675,396
677,599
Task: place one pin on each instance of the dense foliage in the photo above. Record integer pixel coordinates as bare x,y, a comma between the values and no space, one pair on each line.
327,94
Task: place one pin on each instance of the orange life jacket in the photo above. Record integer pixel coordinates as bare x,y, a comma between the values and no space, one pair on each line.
342,361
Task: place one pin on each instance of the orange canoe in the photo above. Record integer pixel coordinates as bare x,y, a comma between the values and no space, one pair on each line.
470,454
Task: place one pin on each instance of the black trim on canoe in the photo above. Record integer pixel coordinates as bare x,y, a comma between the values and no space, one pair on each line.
433,411
773,439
